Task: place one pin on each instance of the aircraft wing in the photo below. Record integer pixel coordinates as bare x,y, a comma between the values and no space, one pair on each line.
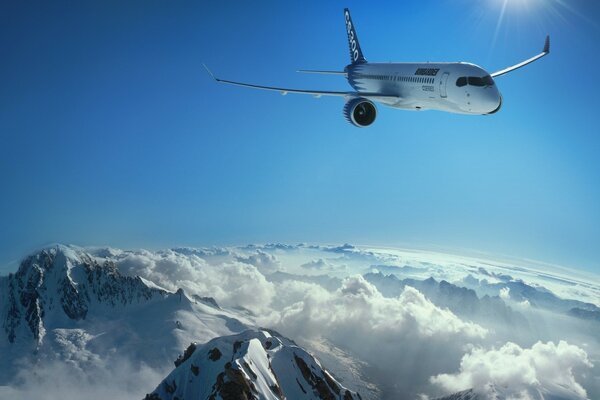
545,52
315,93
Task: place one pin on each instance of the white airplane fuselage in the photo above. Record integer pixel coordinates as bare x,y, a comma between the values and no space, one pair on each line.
428,86
455,87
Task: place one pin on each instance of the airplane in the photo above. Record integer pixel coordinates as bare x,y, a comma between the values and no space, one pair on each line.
456,87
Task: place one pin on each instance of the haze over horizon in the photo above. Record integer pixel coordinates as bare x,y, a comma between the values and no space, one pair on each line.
111,133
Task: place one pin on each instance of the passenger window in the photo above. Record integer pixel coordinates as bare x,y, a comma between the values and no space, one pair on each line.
462,81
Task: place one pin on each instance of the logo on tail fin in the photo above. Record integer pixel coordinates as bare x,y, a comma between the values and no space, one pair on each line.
355,52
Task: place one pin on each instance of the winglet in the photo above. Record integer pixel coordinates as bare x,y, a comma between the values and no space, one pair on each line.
209,72
547,45
544,52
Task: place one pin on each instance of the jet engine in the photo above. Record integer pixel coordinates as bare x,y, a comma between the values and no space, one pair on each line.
360,112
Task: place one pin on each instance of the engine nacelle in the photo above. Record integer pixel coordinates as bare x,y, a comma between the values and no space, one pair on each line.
360,112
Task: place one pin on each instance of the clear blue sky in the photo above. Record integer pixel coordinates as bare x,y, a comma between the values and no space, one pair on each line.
111,133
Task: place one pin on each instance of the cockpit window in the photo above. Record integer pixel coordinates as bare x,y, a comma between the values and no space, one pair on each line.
476,81
462,81
485,81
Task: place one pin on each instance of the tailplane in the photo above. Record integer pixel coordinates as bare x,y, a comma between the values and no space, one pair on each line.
356,55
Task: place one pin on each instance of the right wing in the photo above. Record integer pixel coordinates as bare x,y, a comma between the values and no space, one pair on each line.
545,52
316,93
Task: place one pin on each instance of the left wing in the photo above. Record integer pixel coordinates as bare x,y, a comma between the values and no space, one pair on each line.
545,52
316,93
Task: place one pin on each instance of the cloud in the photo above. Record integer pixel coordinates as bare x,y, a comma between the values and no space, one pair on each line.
504,294
546,367
117,379
323,265
403,338
265,262
231,283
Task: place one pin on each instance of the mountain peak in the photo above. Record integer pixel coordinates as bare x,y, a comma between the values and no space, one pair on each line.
60,284
251,364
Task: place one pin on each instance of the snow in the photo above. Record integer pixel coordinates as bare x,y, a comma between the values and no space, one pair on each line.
267,363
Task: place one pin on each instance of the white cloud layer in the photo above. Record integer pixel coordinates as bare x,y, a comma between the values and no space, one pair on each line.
389,333
231,283
546,367
116,379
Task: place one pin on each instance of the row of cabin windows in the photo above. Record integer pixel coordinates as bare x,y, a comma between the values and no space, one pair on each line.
475,81
413,79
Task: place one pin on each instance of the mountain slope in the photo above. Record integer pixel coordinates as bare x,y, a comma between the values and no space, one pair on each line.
251,365
65,304
59,286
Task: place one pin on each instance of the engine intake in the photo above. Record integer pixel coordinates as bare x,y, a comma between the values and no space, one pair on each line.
360,112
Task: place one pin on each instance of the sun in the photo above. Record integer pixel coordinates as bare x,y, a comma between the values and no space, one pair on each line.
540,15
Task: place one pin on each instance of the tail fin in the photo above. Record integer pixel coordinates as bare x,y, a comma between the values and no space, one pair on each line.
356,55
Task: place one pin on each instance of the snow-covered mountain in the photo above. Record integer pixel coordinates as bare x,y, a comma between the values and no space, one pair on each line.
70,306
255,364
59,286
64,303
460,300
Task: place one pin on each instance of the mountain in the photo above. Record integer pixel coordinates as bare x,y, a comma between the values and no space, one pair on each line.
61,285
67,306
537,296
461,301
64,303
255,364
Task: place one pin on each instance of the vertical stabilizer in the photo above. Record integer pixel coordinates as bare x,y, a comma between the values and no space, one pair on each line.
356,55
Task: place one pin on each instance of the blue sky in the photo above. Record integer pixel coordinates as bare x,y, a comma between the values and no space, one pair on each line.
112,134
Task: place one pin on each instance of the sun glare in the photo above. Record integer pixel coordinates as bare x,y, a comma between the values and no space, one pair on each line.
519,15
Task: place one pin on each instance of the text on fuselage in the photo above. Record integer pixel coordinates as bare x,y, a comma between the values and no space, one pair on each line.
427,71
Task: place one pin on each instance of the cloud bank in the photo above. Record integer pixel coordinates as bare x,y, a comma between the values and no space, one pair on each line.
388,333
231,282
518,371
116,379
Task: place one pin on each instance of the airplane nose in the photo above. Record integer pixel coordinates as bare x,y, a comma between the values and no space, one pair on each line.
497,104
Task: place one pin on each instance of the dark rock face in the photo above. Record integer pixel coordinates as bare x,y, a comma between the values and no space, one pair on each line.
206,300
214,354
316,382
59,281
234,386
75,306
186,354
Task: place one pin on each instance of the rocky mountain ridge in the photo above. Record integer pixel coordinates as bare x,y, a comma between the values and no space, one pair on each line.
60,284
255,364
